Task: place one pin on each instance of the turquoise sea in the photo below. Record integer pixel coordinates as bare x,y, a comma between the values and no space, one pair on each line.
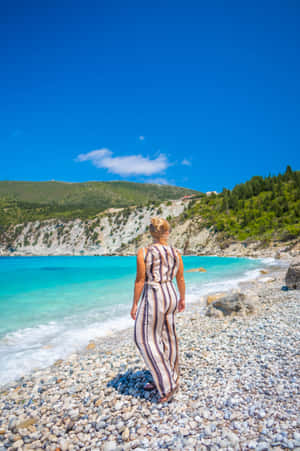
52,306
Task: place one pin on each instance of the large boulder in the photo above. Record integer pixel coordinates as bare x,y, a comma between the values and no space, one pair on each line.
292,277
211,298
232,303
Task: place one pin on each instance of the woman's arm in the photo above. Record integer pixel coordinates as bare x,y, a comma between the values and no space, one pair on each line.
181,284
139,282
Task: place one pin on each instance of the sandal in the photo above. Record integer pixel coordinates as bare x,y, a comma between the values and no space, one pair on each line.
149,386
169,396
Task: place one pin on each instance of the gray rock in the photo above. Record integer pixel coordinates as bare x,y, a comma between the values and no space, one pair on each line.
100,425
64,444
270,423
262,446
261,414
292,277
111,445
233,438
12,423
232,303
118,405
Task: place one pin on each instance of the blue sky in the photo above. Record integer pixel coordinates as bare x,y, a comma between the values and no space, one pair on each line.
197,94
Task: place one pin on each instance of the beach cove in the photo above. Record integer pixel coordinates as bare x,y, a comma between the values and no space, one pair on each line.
53,306
239,387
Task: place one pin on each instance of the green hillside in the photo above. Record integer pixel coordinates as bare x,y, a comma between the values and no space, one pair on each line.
265,208
28,201
261,208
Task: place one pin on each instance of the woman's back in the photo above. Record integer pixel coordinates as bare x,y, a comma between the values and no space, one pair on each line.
154,327
161,263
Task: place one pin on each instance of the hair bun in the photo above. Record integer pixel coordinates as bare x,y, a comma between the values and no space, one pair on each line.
159,225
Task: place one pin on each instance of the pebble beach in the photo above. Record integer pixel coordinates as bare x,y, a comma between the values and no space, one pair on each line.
239,390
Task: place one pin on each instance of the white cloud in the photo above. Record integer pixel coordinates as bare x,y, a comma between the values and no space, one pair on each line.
158,181
141,138
125,166
95,156
186,162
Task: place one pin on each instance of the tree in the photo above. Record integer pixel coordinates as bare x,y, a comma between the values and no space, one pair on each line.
233,201
288,175
224,204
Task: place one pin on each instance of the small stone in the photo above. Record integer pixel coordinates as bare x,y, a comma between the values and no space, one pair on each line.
12,423
263,446
118,405
261,414
69,425
58,362
111,445
270,423
264,271
26,423
205,413
90,346
64,444
233,438
213,427
127,415
100,425
227,415
125,435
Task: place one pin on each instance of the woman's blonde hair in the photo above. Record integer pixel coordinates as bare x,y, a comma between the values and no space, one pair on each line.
159,226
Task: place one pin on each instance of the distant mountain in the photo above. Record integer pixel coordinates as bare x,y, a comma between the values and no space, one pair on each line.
22,201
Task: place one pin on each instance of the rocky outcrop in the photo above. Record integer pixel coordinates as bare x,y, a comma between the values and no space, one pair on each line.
292,278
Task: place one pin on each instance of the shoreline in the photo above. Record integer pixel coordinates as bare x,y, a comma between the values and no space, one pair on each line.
209,288
255,249
261,253
224,400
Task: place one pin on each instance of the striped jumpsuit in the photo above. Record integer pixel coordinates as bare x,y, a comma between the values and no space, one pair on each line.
154,328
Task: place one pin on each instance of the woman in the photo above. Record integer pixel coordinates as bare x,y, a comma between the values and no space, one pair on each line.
154,327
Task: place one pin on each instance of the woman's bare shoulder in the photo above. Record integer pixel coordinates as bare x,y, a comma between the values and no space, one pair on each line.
142,251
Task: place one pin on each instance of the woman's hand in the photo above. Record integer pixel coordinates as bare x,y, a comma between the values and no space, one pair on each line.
181,305
133,311
139,282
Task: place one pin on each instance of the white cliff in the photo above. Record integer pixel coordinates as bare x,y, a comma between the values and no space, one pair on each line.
122,231
109,232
